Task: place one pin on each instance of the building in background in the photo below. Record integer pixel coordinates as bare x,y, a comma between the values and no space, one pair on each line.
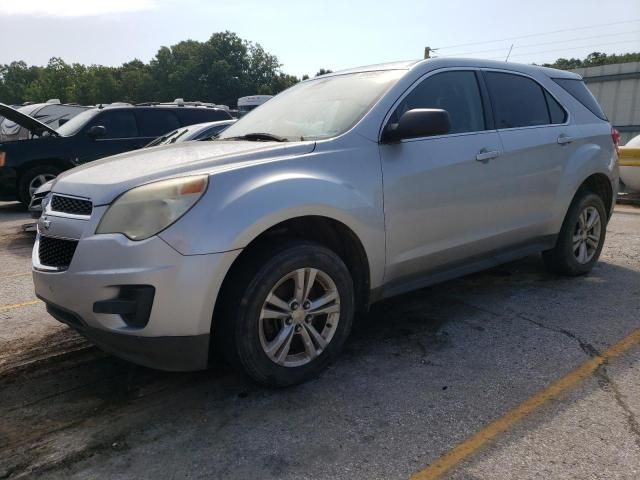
617,89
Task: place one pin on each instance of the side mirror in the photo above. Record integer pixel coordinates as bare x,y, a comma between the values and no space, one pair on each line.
419,122
97,131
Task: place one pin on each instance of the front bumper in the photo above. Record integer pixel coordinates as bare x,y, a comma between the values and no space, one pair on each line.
176,335
184,353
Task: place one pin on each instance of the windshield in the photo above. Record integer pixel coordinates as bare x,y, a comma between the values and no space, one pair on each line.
317,109
74,125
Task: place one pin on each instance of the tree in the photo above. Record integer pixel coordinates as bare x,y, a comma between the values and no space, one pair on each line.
593,60
322,71
219,70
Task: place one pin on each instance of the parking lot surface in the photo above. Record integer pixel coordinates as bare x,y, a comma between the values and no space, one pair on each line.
509,373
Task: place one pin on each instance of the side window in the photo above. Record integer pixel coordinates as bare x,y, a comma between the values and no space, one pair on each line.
154,123
557,113
517,101
456,92
119,124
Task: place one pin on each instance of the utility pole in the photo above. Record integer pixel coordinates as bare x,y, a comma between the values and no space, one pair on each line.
427,52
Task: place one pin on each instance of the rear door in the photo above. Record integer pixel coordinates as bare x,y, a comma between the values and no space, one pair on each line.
538,142
436,191
154,122
121,135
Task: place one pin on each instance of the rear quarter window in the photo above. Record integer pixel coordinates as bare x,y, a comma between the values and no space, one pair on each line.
578,90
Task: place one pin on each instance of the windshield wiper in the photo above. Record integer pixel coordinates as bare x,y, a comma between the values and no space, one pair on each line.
258,137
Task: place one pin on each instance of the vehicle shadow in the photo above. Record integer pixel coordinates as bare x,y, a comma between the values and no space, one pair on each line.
464,350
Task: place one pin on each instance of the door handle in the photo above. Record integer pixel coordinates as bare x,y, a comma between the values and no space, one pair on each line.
485,155
562,139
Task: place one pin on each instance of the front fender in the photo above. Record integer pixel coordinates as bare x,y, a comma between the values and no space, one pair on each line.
243,203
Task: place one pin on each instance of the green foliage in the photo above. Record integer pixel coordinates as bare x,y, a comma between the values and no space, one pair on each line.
323,71
219,70
593,60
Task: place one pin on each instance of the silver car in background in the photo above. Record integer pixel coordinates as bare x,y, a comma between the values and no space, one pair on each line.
337,193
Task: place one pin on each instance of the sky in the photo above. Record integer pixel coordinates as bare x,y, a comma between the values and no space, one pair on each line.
307,35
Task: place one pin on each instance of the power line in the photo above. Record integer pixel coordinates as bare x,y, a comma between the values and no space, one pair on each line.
564,49
517,47
538,34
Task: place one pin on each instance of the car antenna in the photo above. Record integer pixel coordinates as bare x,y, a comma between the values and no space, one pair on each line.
509,54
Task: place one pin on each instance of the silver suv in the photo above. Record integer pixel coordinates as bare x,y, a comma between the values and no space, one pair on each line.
339,192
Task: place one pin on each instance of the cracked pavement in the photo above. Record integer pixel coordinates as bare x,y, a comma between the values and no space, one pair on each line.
421,373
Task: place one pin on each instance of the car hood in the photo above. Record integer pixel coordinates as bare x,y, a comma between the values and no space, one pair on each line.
103,180
30,123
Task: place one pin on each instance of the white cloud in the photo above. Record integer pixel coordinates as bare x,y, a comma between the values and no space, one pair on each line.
73,8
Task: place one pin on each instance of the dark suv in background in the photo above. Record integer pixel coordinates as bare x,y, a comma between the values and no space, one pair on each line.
93,134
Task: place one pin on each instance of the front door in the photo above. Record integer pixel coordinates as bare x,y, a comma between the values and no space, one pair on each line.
121,135
436,189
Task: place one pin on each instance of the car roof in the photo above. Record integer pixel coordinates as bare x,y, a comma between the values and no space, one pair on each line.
447,62
157,107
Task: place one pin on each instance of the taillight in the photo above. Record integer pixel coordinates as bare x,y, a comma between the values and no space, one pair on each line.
615,136
2,158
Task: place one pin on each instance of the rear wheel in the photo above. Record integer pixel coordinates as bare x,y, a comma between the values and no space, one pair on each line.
581,238
290,317
33,179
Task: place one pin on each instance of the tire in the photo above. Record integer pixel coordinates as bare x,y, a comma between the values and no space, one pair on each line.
35,176
564,258
247,331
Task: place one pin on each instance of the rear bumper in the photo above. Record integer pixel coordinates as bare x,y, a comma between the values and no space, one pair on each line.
173,353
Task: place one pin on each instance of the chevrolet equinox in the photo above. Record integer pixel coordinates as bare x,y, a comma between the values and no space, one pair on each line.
339,192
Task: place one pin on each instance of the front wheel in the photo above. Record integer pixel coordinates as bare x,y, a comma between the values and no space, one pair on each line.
292,316
33,179
581,238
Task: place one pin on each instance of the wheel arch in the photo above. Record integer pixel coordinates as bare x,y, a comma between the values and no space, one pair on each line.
599,184
57,162
326,231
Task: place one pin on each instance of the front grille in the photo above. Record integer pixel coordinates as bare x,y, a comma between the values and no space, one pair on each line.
56,252
75,206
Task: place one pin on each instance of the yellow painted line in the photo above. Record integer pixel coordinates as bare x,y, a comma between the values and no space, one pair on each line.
472,444
18,305
15,275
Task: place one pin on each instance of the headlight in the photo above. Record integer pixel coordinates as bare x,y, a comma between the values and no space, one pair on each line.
147,210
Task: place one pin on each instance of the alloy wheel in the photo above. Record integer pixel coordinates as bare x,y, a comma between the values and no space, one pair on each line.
38,181
299,317
586,235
